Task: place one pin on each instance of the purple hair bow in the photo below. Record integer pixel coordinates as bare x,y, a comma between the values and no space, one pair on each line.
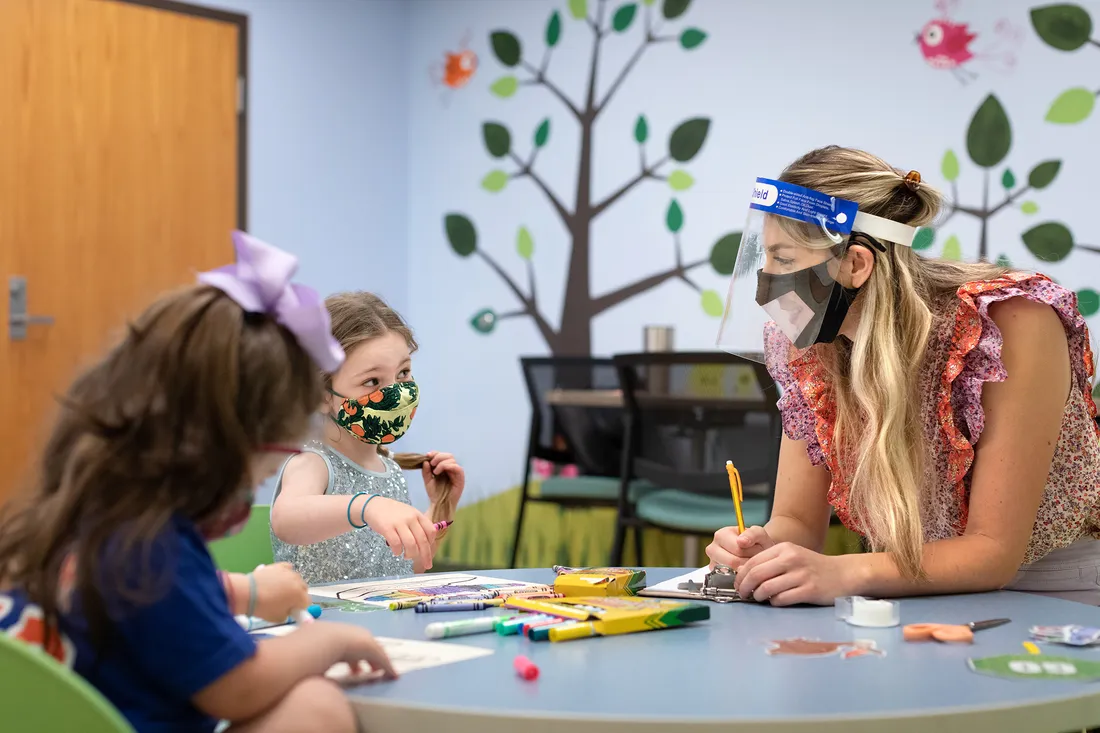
260,283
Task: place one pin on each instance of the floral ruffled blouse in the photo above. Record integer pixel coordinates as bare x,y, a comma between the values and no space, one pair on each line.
964,352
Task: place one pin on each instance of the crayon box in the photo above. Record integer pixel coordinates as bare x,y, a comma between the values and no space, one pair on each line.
588,582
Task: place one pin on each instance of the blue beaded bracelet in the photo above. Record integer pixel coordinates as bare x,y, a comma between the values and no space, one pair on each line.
352,501
363,511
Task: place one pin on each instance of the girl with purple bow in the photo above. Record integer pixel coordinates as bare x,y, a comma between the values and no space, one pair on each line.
341,509
158,449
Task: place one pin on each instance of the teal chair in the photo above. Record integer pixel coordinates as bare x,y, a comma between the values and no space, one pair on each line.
251,547
39,695
686,415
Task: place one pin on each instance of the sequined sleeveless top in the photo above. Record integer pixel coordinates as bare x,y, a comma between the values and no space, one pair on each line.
358,553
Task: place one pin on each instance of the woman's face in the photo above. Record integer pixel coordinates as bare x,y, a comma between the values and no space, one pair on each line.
784,254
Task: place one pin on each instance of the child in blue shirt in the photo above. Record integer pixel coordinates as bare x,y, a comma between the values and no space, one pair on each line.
157,450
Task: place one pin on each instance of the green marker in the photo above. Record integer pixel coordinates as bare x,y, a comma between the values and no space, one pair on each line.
463,627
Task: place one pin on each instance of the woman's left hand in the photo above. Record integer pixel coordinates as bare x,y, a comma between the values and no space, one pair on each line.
438,466
787,574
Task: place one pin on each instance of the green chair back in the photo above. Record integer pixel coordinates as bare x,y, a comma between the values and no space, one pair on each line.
242,552
39,695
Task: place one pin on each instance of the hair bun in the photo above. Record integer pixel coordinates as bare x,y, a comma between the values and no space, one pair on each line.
912,181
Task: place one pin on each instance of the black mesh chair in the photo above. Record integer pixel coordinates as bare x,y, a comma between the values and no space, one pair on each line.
576,419
686,415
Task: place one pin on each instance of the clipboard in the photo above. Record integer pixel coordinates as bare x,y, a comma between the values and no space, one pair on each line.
717,586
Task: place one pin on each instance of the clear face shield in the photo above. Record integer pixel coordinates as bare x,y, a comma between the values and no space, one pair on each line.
788,278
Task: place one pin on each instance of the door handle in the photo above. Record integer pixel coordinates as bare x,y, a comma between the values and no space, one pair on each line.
18,318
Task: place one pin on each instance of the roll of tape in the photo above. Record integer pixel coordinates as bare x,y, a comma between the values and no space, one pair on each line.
867,612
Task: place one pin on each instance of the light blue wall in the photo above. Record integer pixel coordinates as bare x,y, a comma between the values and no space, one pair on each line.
327,141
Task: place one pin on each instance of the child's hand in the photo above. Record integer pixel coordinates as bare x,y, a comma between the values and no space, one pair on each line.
280,592
732,549
408,532
358,647
438,465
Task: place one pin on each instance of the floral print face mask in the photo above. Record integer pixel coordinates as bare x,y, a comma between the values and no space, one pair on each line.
382,416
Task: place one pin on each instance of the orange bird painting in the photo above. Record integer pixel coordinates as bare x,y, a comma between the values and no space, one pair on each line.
455,69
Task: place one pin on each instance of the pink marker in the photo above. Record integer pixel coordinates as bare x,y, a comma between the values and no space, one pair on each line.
525,668
440,526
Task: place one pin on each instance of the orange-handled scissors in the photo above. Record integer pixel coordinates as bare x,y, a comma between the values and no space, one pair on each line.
959,633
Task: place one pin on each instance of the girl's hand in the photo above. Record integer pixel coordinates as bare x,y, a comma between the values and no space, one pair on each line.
280,592
359,649
786,574
732,549
408,532
437,466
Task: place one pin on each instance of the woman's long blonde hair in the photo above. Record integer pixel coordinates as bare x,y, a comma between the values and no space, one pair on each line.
361,316
879,431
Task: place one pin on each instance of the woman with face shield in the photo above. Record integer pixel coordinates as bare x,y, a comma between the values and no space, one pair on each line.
943,410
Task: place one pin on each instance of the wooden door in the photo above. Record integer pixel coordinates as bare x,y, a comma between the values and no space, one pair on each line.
119,163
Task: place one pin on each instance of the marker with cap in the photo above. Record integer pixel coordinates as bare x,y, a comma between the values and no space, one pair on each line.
463,627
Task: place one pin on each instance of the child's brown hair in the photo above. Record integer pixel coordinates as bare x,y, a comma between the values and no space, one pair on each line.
358,317
165,424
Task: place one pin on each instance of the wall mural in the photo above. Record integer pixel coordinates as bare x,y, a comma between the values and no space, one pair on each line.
573,335
946,44
454,70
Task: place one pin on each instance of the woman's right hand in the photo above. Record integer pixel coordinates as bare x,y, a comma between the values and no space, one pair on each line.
408,532
731,548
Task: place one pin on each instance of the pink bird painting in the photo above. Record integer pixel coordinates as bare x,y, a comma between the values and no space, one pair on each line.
953,46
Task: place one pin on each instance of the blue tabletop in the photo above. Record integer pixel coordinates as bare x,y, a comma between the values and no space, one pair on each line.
718,673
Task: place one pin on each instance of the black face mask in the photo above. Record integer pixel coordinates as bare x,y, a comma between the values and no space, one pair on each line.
817,289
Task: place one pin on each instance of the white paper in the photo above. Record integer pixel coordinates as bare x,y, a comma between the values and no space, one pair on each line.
407,655
673,584
381,593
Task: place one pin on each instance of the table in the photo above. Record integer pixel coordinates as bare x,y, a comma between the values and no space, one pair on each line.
716,676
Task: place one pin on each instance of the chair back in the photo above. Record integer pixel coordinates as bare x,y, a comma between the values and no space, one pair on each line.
688,413
40,695
242,552
590,437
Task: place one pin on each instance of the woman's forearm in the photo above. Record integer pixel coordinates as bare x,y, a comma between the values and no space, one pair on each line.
783,528
967,564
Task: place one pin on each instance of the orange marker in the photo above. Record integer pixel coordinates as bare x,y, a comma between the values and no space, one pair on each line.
738,494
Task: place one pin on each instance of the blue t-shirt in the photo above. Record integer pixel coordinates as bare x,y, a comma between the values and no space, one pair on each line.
158,655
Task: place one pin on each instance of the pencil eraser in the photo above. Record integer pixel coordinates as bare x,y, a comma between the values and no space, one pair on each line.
525,668
314,611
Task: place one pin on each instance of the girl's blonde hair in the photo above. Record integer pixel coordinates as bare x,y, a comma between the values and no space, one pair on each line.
358,317
879,432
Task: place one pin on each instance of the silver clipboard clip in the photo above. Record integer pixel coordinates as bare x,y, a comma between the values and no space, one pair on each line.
717,586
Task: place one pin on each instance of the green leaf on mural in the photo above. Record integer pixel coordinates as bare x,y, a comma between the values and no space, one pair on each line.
505,86
578,9
1029,207
1065,27
495,181
712,303
924,238
484,321
673,9
989,137
950,165
553,29
461,234
525,245
505,47
1049,242
542,134
692,38
623,17
680,180
687,139
498,141
1008,180
641,129
1003,261
648,2
1044,174
952,249
674,218
1088,302
1096,392
723,255
1071,106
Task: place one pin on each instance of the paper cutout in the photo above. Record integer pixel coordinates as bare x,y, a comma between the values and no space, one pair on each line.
802,647
1041,667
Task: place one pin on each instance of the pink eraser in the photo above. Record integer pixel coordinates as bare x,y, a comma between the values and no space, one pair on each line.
525,668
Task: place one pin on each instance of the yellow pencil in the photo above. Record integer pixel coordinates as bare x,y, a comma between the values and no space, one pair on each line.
738,496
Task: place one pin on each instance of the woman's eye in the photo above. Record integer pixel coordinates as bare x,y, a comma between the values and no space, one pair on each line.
783,262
